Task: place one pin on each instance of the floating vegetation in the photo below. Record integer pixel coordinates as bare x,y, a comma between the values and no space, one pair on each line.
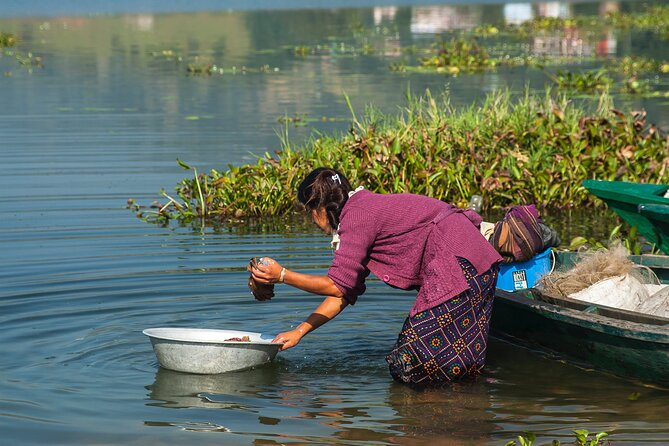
7,40
167,54
204,66
459,55
334,49
582,439
586,81
596,81
654,19
199,68
541,42
486,30
298,119
628,238
636,86
510,151
208,69
634,65
303,119
28,60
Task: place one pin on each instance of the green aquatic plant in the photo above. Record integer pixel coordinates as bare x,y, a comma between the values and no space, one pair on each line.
301,50
591,81
630,240
486,30
635,65
7,40
527,439
633,85
27,60
200,68
459,54
583,438
654,19
298,119
523,150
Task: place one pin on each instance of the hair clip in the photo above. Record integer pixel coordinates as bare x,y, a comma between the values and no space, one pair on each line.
335,178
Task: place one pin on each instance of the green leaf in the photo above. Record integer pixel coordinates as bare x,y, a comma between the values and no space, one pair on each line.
183,165
576,242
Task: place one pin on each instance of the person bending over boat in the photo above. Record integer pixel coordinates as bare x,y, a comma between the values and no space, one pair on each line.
411,242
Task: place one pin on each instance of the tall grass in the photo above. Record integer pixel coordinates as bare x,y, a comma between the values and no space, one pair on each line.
527,149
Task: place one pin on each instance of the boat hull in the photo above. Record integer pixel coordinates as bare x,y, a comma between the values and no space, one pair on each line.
628,200
623,343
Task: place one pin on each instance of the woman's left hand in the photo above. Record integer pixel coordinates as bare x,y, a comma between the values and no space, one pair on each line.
269,272
289,339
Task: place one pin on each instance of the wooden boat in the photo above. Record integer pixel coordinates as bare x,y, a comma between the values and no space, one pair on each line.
642,205
620,342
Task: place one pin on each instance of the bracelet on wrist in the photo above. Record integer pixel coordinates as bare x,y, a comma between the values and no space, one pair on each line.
282,276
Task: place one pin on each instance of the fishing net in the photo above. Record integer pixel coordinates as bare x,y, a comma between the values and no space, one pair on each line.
608,277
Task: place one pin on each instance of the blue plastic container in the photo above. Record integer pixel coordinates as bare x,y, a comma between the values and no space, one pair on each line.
522,275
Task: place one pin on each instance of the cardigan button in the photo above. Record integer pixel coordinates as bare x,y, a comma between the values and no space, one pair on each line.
386,278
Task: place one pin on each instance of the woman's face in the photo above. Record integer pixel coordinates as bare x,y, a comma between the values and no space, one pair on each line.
321,219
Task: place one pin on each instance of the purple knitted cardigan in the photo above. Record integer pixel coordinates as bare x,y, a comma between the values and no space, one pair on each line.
410,242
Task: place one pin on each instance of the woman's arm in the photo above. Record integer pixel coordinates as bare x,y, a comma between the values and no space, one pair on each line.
326,311
271,273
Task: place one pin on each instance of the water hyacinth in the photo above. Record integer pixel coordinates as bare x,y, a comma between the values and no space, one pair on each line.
7,40
511,151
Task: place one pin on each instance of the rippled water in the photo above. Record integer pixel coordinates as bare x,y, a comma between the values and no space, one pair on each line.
103,121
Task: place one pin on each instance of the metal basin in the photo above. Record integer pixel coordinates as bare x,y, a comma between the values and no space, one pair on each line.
207,351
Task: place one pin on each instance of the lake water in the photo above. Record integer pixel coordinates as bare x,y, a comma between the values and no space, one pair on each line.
105,119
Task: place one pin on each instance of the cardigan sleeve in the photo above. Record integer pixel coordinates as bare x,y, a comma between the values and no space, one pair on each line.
357,234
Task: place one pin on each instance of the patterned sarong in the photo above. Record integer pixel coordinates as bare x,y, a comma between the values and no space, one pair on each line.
448,342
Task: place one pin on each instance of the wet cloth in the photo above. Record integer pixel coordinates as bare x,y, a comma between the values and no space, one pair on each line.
261,291
448,342
410,242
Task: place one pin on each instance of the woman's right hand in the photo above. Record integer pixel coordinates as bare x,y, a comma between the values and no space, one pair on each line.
289,339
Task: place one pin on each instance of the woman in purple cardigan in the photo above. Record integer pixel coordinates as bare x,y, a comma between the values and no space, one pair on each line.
410,242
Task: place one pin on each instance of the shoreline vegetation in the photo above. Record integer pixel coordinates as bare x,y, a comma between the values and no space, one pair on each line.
536,147
527,149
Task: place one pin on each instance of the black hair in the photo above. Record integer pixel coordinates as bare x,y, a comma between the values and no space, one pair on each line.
327,188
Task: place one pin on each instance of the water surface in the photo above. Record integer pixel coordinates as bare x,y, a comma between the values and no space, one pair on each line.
106,118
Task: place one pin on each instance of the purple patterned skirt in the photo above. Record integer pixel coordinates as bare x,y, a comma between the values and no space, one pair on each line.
448,342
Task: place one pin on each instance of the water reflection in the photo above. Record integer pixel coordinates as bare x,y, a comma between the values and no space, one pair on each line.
452,415
183,390
550,396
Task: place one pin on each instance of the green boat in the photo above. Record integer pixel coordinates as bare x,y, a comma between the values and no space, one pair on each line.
645,206
623,343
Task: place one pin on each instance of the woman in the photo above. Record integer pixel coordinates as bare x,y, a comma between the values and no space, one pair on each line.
410,242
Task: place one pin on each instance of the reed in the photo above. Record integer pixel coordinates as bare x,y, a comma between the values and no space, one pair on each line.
527,149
